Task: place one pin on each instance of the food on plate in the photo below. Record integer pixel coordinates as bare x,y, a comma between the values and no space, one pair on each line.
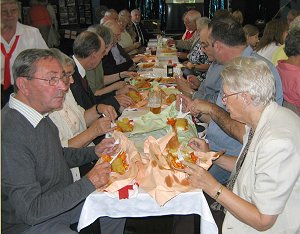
135,96
180,124
143,84
162,80
124,125
146,65
119,165
168,50
171,98
176,164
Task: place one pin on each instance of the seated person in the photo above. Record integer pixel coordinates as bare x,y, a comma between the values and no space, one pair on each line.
130,46
251,33
88,48
185,44
110,14
198,62
117,60
119,89
289,71
257,199
142,36
38,192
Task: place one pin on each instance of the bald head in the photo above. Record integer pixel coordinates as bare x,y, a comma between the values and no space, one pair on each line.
190,19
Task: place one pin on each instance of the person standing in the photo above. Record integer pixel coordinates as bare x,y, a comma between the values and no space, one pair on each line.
15,37
39,17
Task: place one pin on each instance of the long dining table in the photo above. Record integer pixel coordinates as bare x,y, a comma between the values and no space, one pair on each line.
139,203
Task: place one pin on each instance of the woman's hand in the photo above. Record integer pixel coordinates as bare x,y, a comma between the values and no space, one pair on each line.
199,145
108,111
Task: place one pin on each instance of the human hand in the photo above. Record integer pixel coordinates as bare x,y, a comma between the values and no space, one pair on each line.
201,178
183,86
200,106
124,100
108,111
185,102
198,145
99,174
189,65
171,42
193,81
101,126
138,58
182,55
129,74
136,45
106,146
125,89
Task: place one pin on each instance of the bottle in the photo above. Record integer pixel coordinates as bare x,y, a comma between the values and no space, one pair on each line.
170,69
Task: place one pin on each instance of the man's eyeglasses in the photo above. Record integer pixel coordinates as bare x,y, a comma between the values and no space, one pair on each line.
54,80
225,96
69,74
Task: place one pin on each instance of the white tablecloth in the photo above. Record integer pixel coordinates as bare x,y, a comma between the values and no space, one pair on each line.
98,205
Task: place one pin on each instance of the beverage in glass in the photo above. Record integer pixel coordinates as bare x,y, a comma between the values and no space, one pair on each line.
154,101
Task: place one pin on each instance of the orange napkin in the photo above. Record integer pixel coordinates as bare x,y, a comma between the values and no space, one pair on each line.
118,181
160,180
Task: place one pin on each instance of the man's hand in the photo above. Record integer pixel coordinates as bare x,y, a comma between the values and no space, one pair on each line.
102,126
184,86
193,81
124,100
200,106
185,102
171,42
199,145
125,89
129,74
99,175
108,111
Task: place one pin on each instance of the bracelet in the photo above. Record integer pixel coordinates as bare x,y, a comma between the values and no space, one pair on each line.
98,112
219,192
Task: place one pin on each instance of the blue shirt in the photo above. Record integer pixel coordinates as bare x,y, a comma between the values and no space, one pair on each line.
218,139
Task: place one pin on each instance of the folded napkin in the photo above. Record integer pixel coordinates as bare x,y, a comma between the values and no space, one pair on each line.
160,180
117,181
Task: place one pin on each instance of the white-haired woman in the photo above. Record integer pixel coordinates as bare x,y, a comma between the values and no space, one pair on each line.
263,193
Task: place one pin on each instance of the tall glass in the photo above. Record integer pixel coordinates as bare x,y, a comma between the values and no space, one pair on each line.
154,101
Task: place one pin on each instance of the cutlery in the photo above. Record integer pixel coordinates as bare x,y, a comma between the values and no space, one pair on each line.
115,156
180,113
180,156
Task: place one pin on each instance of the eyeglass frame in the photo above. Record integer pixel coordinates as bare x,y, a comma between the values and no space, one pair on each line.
53,78
225,96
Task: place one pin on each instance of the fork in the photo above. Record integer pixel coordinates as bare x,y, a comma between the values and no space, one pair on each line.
180,113
179,154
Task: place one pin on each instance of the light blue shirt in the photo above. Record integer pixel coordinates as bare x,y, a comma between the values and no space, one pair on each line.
218,139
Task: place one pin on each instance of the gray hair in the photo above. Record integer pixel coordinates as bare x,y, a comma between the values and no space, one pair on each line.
85,44
25,63
193,15
135,11
295,23
292,42
10,1
251,75
63,58
104,32
202,22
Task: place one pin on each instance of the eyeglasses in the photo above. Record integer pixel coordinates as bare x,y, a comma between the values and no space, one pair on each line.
53,80
225,96
69,74
7,12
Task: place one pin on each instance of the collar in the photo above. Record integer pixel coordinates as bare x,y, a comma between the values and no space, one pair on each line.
19,31
28,112
80,68
248,51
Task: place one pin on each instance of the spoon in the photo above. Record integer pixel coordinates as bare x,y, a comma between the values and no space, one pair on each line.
180,113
